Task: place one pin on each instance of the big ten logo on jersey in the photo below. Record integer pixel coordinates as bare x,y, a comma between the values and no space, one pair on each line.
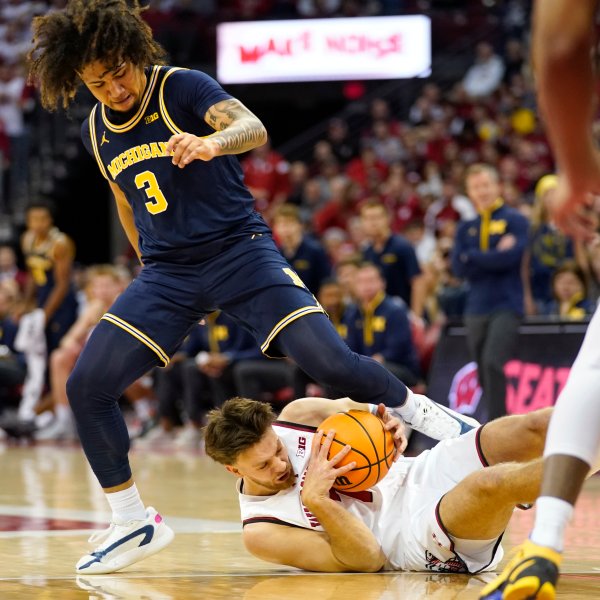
301,450
151,118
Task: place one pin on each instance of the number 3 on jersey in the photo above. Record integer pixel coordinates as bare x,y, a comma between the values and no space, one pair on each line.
146,180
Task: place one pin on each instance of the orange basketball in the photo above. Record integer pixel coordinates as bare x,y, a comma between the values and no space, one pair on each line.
372,448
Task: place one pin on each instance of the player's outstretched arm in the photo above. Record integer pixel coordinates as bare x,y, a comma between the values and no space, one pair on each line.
313,411
346,545
237,130
64,254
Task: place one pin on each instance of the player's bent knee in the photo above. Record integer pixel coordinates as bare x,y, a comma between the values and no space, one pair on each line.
75,387
488,482
85,384
537,422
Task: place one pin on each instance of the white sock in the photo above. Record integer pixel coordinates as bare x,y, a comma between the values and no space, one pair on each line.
551,518
126,505
408,409
143,409
62,413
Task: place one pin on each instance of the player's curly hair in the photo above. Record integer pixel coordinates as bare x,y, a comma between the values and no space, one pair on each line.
236,426
64,42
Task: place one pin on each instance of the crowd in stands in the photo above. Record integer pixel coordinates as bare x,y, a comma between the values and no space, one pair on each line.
368,223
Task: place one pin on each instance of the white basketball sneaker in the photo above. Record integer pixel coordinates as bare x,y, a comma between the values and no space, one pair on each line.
123,545
437,421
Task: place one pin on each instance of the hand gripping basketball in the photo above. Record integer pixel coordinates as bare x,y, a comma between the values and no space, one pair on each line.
322,471
373,443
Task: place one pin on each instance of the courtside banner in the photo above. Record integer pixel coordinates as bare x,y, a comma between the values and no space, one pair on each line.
324,49
534,378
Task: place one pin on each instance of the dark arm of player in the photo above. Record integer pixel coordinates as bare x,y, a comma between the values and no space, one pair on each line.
125,213
562,44
29,292
63,265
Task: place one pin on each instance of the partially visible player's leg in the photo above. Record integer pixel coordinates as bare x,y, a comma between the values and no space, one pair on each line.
319,351
572,443
480,506
571,448
110,362
286,319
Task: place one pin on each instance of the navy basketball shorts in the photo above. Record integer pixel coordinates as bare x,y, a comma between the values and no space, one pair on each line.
249,280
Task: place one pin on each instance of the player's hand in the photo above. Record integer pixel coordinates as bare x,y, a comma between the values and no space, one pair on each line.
572,210
396,427
187,147
322,472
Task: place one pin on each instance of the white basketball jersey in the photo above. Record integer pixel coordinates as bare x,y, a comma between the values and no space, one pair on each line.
372,507
401,510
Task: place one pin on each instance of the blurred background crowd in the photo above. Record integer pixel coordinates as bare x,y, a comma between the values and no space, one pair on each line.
363,183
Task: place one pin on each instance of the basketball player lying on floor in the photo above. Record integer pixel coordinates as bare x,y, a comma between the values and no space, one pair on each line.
443,511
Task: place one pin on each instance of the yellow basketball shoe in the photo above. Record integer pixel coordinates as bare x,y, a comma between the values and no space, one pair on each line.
531,573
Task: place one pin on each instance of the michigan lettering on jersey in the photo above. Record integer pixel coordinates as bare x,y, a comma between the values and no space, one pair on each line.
135,155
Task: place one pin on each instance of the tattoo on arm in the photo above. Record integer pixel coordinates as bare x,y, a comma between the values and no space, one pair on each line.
237,129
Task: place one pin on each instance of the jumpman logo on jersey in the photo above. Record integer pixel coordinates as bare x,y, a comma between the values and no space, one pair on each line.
104,139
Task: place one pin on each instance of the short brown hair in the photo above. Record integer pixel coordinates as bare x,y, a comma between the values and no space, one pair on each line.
374,203
352,259
477,168
236,426
288,211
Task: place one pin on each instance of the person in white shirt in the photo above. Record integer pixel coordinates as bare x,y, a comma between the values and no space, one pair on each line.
485,75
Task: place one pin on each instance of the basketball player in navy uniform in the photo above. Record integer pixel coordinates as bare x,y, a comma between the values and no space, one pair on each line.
49,255
164,139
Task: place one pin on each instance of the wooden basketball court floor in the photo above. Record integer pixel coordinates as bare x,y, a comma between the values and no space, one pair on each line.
50,503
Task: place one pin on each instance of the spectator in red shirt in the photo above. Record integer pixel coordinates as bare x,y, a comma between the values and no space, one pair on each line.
437,140
360,169
340,208
402,202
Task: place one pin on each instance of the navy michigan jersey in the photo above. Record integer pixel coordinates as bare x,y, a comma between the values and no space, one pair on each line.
177,212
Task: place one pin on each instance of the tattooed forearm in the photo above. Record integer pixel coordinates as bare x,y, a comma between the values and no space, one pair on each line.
242,136
238,130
